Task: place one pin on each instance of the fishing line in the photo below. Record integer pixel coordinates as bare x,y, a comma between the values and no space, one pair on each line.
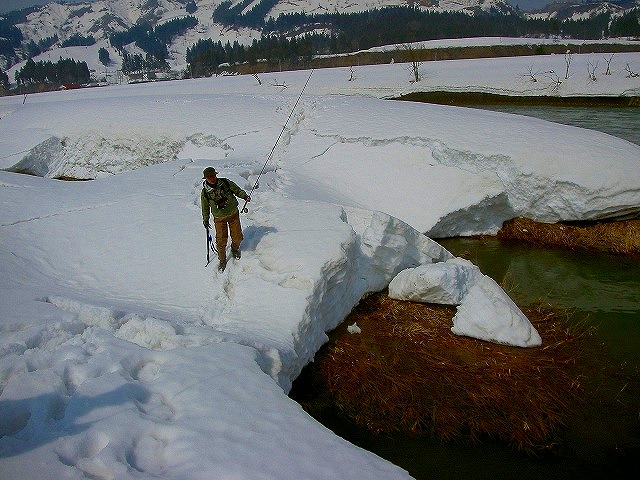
17,153
255,185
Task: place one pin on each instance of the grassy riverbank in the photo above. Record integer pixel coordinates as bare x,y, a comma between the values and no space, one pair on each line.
482,98
621,237
407,374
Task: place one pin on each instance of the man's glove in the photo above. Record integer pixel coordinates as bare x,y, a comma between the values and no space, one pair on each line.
206,224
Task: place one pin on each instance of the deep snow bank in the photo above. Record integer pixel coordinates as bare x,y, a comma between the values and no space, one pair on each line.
446,171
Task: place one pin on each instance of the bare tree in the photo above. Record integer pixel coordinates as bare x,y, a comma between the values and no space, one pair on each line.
608,60
568,57
283,86
532,75
631,73
414,63
591,71
555,80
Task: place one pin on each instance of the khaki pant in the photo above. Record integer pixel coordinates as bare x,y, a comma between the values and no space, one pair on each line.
223,225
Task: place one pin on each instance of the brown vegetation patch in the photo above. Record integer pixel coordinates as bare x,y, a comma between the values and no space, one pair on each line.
616,237
407,372
444,97
73,179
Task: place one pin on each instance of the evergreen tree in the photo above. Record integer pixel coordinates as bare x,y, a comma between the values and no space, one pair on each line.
46,43
628,25
103,56
64,71
78,40
191,7
4,79
33,50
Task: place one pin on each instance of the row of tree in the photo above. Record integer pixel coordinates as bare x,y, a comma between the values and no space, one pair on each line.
138,64
392,25
408,24
63,71
206,56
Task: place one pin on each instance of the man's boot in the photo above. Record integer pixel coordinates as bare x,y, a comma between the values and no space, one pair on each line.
235,253
223,262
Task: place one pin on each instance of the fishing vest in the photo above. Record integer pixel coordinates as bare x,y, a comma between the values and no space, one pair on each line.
219,194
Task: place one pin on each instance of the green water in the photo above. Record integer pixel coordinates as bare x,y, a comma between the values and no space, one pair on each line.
619,122
604,289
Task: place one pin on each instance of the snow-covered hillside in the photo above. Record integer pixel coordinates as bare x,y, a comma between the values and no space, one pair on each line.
101,18
581,10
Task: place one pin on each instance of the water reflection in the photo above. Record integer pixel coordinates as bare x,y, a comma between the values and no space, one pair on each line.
605,288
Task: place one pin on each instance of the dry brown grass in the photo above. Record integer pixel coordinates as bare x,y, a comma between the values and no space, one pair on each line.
406,372
621,237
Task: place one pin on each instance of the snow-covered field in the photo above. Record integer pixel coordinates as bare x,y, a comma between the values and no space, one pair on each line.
508,75
121,356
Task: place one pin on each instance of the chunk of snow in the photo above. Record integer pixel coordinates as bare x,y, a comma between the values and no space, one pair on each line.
443,283
354,328
485,311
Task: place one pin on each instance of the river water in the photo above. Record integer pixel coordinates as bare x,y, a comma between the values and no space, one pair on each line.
620,122
602,289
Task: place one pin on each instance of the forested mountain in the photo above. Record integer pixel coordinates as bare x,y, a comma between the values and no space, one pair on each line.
161,33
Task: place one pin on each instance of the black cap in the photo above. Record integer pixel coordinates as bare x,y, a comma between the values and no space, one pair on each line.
208,172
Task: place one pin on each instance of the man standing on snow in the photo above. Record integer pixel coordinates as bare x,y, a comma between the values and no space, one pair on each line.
218,197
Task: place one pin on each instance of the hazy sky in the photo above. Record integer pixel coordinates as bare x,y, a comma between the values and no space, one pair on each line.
9,5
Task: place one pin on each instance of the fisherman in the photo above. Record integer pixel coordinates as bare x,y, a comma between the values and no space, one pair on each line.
218,197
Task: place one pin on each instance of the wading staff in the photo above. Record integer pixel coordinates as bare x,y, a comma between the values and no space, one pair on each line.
244,208
209,240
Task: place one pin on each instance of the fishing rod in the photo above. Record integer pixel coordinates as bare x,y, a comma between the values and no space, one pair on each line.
244,208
